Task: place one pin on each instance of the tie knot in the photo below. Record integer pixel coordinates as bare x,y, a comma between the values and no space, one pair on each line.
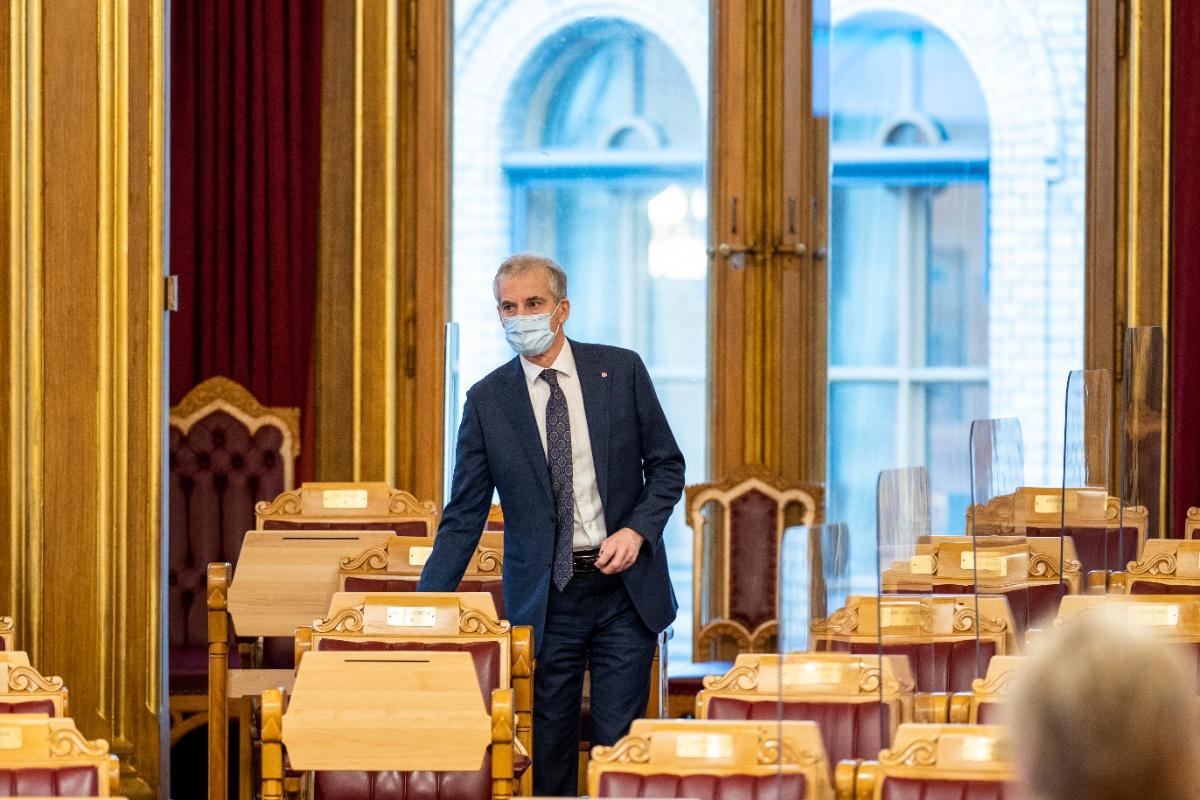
550,376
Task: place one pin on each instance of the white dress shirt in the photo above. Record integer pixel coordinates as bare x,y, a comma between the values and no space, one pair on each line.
589,529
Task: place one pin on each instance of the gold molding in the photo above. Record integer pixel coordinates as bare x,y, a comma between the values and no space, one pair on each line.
348,620
373,558
67,742
28,679
474,621
740,679
921,753
219,390
630,750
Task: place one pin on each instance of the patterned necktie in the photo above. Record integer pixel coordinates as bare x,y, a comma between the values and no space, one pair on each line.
558,454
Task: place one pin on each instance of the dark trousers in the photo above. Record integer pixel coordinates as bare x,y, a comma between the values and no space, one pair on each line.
590,622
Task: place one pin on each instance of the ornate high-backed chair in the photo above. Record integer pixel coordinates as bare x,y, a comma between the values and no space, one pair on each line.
982,704
24,690
737,526
710,760
850,697
936,633
347,507
227,453
969,762
503,658
7,633
49,757
1093,519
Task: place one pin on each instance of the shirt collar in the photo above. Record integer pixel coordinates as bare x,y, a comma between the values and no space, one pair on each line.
564,364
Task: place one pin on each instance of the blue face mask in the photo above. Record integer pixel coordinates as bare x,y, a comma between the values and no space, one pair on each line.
530,335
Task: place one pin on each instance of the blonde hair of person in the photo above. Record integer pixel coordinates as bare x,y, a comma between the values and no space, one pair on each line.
1105,711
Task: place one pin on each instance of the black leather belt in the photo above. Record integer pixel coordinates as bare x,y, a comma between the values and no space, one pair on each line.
584,561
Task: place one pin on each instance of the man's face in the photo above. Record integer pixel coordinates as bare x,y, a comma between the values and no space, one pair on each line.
528,293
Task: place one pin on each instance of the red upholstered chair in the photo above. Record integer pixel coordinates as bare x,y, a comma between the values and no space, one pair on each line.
1167,566
982,705
348,507
503,658
737,525
227,453
712,760
1094,520
847,696
966,762
936,633
24,690
51,758
7,633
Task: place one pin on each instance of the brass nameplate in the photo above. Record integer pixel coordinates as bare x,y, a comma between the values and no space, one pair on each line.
704,745
417,556
921,565
996,564
1053,503
11,738
901,617
811,673
411,616
1158,614
977,749
344,498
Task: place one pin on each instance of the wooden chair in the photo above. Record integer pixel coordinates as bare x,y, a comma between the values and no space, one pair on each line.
707,759
737,527
927,760
936,632
348,506
1167,566
24,690
1192,524
980,705
1093,519
7,633
495,519
852,698
48,757
227,452
1025,570
431,621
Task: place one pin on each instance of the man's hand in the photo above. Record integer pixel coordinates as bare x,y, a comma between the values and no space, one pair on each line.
619,551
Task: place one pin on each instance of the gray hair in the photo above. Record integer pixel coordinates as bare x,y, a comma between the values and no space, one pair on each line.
521,263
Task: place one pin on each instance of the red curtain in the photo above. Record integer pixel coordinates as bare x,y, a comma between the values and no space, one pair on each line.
1184,333
245,177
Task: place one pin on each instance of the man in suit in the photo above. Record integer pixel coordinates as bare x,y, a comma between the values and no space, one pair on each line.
574,439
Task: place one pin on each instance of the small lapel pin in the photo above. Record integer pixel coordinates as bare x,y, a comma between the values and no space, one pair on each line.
603,374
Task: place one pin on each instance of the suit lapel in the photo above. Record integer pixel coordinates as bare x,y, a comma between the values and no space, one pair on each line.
514,400
594,382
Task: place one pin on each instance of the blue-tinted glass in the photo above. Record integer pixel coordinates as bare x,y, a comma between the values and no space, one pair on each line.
956,318
949,409
863,282
862,435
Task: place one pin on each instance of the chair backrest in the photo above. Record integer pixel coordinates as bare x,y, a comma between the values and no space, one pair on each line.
49,757
852,698
971,762
737,525
495,519
936,632
981,705
227,453
1167,566
1093,518
397,567
7,633
348,506
24,690
503,655
1025,570
1192,524
708,759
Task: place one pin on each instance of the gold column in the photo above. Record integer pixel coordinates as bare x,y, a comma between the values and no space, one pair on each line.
83,479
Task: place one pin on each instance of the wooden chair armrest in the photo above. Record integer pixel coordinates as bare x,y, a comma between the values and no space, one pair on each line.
1097,582
1117,582
931,707
960,708
844,774
271,754
504,729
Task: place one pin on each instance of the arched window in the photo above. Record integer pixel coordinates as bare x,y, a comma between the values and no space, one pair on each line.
908,334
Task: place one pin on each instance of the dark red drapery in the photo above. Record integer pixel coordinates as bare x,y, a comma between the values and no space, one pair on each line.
245,175
1185,260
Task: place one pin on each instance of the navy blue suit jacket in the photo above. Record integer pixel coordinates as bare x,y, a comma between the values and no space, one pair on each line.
639,472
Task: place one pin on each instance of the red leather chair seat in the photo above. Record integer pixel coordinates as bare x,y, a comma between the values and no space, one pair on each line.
412,527
937,667
849,730
493,587
1154,587
991,714
1098,548
915,789
486,656
28,707
703,787
46,782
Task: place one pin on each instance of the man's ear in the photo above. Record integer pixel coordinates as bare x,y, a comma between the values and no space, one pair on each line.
565,305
